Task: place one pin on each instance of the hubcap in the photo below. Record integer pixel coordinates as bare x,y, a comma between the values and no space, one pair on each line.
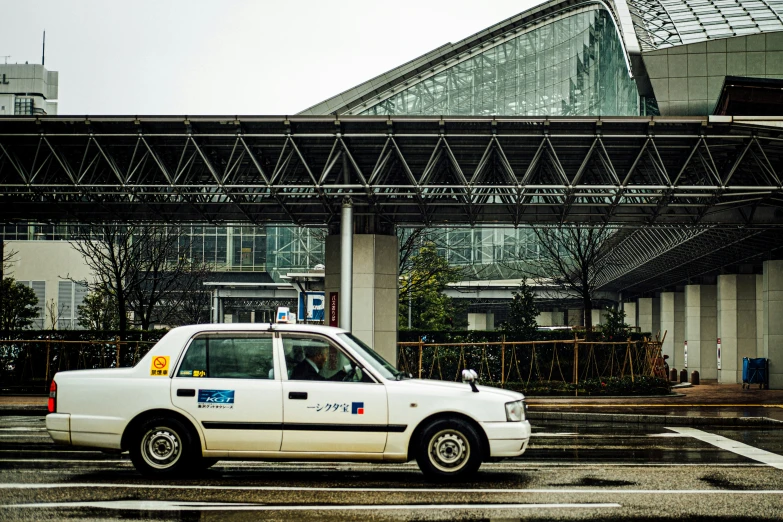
449,450
161,447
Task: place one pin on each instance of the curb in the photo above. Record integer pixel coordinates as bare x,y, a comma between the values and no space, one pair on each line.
23,410
668,420
601,397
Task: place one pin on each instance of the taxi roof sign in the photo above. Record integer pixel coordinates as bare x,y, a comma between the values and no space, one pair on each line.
283,315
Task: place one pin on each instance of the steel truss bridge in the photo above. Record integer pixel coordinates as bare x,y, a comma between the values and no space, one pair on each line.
687,195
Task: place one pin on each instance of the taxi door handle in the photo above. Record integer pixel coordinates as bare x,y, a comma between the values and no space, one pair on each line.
297,396
186,393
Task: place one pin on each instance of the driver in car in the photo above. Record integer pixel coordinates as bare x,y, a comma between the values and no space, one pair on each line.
309,369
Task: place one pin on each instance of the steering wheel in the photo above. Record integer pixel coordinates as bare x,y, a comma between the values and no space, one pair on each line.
354,374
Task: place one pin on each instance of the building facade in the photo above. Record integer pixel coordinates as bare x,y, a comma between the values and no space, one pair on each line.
28,90
576,58
584,58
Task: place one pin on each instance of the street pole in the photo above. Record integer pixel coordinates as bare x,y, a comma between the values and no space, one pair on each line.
346,263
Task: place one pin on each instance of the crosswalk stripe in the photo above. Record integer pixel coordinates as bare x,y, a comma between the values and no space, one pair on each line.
759,455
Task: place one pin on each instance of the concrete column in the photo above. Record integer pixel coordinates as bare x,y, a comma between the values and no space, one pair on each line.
679,330
481,321
672,316
759,315
773,321
374,282
630,314
736,324
701,329
575,317
544,319
666,313
649,315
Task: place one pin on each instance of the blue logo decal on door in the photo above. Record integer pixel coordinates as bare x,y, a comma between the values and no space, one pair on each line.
357,408
216,396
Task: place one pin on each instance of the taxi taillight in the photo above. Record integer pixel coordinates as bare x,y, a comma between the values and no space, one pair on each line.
52,406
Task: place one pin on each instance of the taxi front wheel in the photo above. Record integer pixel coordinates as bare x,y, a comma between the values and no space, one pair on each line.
449,449
162,447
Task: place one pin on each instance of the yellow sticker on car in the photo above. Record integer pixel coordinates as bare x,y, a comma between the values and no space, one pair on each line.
160,365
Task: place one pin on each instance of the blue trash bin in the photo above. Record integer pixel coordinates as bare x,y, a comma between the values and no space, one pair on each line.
755,371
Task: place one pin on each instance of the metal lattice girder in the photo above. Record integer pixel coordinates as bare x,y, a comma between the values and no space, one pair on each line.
663,172
676,258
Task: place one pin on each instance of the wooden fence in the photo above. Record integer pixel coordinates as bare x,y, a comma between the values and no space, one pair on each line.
569,361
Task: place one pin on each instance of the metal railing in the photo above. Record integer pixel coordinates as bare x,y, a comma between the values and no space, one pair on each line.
28,365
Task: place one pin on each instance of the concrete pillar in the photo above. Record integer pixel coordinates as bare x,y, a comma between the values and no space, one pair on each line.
679,329
481,321
649,315
374,282
544,319
773,321
598,317
575,317
630,314
672,314
701,329
759,315
736,324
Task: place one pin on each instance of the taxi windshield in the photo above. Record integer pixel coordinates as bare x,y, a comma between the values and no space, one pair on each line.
371,356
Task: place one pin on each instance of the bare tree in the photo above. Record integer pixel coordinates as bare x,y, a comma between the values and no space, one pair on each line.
194,299
54,313
144,267
572,260
7,256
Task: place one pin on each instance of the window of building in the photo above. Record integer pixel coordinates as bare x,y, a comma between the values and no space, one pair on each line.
23,106
70,296
39,287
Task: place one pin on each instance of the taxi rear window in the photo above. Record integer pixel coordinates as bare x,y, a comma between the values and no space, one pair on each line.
229,357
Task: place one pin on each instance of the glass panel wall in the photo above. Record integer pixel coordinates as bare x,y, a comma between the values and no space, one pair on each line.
570,67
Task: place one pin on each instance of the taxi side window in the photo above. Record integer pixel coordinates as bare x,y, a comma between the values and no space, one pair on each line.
327,362
226,357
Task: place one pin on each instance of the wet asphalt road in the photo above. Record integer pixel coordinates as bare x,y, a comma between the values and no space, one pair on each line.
570,472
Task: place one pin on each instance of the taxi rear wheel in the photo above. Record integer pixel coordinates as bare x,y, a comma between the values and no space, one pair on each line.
449,449
162,447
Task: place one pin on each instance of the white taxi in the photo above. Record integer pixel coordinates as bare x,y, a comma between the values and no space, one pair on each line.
285,391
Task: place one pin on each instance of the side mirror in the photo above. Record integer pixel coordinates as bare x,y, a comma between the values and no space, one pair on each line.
470,377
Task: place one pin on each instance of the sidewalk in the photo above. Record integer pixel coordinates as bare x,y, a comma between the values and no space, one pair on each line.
714,404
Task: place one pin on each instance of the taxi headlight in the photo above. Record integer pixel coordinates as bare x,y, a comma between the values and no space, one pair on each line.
515,411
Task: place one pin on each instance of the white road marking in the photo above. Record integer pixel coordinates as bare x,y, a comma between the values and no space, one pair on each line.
70,461
759,455
393,490
379,468
159,505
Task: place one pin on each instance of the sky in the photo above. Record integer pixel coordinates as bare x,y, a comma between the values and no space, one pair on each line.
203,57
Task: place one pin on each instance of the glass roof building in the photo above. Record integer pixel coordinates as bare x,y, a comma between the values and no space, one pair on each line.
584,58
576,58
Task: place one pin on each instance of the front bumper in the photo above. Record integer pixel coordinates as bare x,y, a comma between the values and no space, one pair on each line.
507,439
59,427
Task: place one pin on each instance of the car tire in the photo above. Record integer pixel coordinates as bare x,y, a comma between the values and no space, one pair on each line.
163,446
449,449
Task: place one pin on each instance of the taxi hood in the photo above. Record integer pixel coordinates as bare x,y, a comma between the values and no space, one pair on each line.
444,386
